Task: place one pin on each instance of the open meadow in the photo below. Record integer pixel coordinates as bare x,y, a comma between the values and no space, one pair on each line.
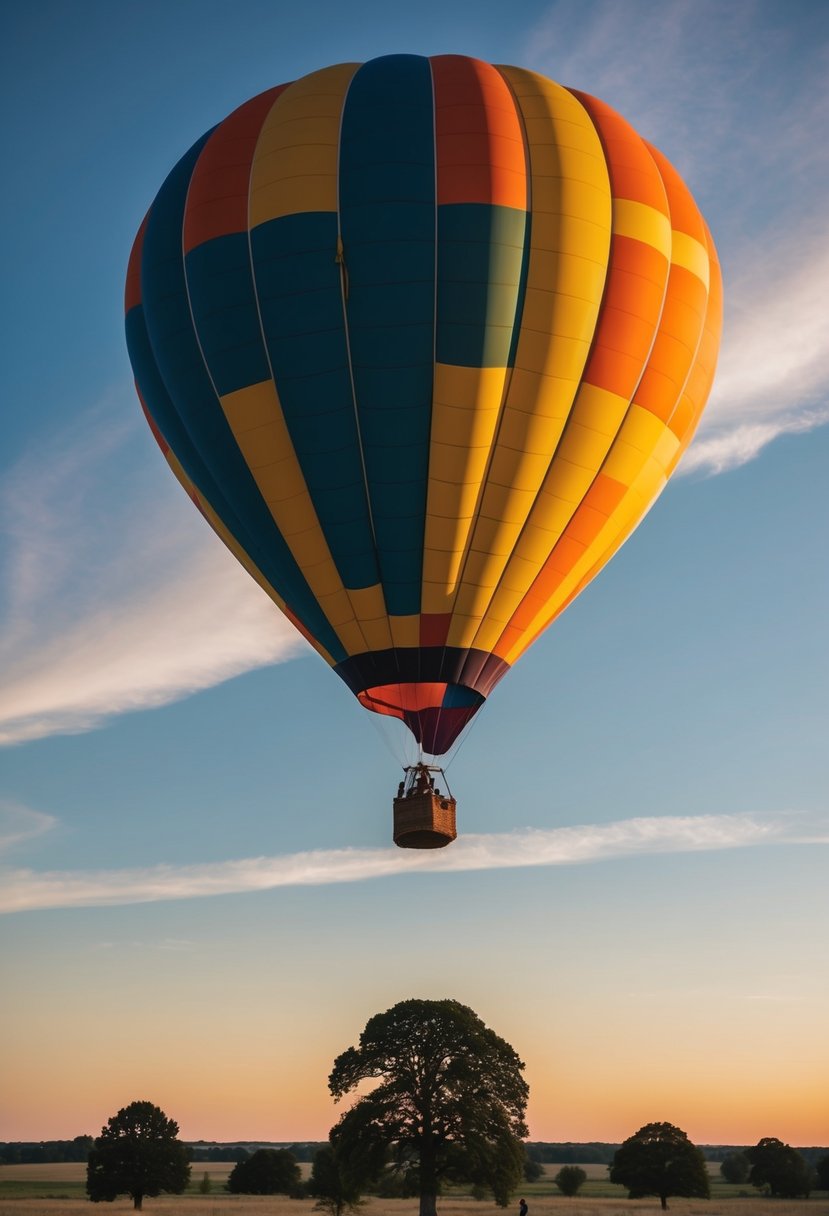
58,1190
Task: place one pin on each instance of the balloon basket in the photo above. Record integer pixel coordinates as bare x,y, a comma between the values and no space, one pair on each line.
424,818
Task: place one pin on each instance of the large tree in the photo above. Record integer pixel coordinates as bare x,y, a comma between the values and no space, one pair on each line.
660,1160
138,1153
449,1104
779,1168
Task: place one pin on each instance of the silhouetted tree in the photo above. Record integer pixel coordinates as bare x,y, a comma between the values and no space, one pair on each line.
570,1179
779,1169
138,1154
735,1166
449,1104
268,1171
335,1189
660,1160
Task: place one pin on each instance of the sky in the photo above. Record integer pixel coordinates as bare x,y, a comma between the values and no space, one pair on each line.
200,903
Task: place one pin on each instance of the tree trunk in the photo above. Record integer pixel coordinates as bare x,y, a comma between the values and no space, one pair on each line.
138,1202
428,1169
428,1205
663,1199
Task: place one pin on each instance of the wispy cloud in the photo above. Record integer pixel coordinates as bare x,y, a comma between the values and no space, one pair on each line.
117,596
19,824
737,96
24,890
773,376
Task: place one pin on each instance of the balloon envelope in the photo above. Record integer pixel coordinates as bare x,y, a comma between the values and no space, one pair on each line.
423,339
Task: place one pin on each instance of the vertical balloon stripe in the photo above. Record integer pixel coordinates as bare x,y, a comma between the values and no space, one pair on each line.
295,164
569,240
646,448
695,261
156,400
144,366
466,408
258,425
482,214
686,300
689,410
227,321
217,199
189,414
227,538
217,255
481,273
478,137
299,295
225,312
639,257
166,424
387,219
483,233
563,521
683,423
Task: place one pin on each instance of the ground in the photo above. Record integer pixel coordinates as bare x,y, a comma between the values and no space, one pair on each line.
58,1190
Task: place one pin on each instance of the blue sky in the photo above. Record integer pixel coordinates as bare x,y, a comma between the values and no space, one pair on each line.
185,790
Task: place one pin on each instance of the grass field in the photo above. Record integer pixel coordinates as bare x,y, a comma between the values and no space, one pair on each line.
58,1190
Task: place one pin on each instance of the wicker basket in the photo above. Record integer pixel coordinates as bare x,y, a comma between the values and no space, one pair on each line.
424,821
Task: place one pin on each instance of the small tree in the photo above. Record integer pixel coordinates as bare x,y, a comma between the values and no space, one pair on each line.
138,1154
660,1160
449,1104
735,1167
268,1171
533,1170
570,1179
779,1169
331,1185
205,1186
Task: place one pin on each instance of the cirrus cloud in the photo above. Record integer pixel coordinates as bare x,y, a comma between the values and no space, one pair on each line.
117,596
26,890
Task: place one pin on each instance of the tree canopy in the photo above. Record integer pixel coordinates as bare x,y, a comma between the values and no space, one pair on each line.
570,1179
660,1160
735,1166
449,1104
268,1171
779,1169
138,1154
331,1183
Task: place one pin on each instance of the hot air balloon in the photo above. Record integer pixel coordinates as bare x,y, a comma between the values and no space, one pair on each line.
423,339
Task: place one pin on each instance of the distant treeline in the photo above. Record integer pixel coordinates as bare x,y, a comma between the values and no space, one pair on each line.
240,1150
28,1152
598,1152
567,1153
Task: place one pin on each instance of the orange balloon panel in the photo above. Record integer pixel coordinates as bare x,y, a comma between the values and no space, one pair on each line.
423,339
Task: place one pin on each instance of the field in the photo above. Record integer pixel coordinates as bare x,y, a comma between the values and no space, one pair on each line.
58,1190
